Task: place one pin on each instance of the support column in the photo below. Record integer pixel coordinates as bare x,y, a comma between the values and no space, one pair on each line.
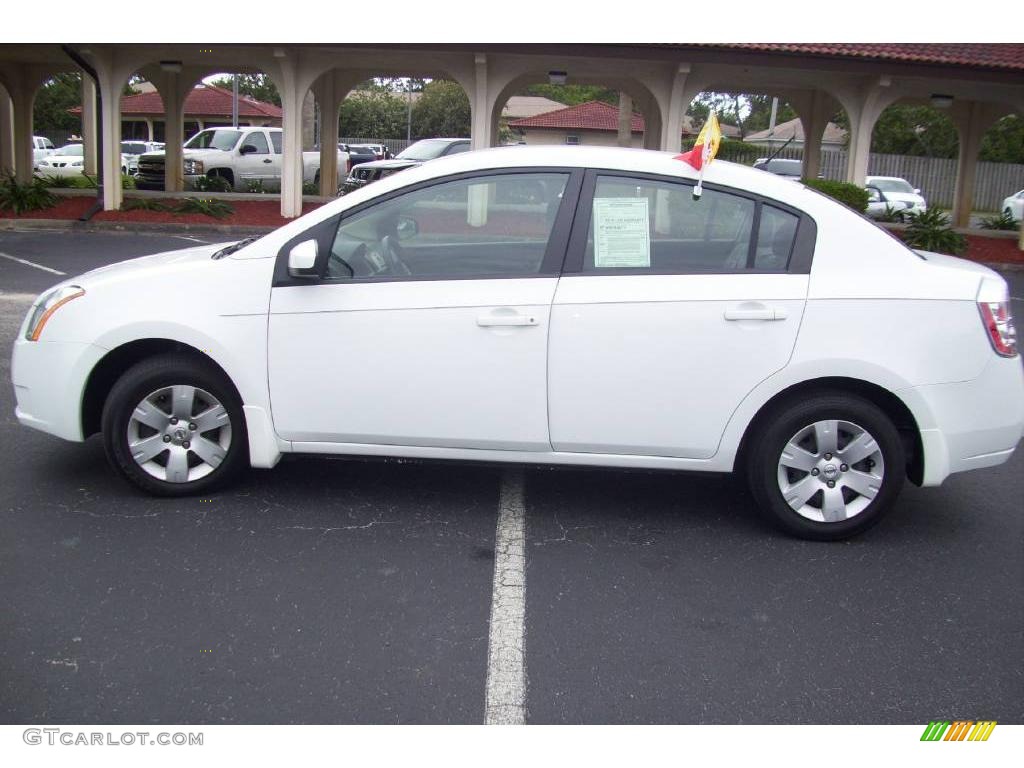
6,132
863,110
291,124
174,131
110,84
89,124
673,110
972,119
625,138
813,118
481,131
149,129
327,99
23,100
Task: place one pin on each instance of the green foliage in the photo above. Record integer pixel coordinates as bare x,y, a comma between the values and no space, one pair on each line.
255,186
143,204
918,131
310,188
1004,141
442,110
206,206
571,95
21,198
211,184
259,87
930,231
732,150
376,113
891,215
53,100
848,194
58,182
1004,221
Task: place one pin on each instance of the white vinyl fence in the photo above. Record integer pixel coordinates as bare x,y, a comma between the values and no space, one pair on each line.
934,176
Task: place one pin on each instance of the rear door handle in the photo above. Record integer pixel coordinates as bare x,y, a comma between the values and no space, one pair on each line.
493,319
268,161
754,311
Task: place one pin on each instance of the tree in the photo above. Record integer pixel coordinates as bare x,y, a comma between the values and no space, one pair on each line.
571,95
259,87
1004,141
53,100
376,114
442,110
918,131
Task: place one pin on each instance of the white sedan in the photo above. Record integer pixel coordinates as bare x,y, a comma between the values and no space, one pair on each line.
68,161
546,306
1014,206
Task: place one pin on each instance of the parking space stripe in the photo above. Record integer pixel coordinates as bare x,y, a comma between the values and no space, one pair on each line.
506,671
28,263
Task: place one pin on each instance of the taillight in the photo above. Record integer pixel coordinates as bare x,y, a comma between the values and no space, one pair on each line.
998,322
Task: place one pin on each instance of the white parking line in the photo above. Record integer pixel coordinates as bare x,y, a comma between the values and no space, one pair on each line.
506,671
28,263
193,239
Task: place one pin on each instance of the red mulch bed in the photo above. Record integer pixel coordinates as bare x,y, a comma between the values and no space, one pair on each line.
994,250
247,213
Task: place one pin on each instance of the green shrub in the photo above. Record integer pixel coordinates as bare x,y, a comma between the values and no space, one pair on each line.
20,198
892,214
211,184
143,204
930,231
255,186
218,209
58,182
310,188
127,181
1003,221
848,194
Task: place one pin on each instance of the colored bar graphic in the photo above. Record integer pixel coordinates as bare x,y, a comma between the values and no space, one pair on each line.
934,730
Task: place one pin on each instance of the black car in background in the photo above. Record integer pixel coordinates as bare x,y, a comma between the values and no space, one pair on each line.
415,154
359,153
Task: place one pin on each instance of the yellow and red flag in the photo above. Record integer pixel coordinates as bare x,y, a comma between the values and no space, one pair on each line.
706,146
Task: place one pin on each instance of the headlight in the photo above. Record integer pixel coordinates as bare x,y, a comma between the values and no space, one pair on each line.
77,164
193,167
49,304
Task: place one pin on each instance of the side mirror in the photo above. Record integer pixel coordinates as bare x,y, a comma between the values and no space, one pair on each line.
406,228
917,191
875,195
302,259
247,149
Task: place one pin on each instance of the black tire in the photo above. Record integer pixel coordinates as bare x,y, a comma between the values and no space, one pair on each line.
149,376
784,423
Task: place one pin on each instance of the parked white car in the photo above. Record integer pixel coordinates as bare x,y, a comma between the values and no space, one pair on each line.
67,161
552,306
41,147
241,156
889,193
1014,206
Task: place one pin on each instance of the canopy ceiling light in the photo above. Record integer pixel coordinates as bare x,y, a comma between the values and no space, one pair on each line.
170,66
557,77
942,101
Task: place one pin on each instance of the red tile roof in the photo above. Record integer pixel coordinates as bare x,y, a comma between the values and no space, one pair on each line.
204,101
987,55
590,116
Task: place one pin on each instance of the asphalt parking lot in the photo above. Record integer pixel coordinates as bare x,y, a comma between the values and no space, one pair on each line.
337,591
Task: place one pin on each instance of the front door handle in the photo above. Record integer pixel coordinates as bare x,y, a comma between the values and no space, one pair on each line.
754,311
493,319
268,162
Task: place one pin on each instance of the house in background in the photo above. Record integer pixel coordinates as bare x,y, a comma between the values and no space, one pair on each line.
593,123
207,106
834,137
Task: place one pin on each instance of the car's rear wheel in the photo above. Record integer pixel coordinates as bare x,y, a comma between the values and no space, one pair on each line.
826,467
173,426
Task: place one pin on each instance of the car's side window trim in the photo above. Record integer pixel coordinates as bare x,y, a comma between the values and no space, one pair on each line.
551,264
799,261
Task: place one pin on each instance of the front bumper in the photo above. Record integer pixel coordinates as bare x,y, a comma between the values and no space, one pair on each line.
49,381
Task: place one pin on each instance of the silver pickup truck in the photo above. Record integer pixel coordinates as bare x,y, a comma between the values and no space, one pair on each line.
245,158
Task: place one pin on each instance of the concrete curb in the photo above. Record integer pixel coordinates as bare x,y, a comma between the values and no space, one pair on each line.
16,225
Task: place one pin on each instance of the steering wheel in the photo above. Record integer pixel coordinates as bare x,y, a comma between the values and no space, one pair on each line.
390,250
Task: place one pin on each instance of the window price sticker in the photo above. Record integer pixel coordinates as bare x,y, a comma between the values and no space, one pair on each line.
621,232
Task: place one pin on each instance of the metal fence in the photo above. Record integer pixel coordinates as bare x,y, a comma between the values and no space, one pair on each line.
934,176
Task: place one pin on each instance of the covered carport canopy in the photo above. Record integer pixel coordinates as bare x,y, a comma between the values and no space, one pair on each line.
978,83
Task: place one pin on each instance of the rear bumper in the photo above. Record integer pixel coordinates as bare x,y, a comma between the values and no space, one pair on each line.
49,380
974,424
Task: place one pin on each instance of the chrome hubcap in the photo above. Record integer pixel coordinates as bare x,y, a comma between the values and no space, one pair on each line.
179,433
830,471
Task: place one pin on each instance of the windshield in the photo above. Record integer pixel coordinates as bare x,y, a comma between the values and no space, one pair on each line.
784,167
891,185
426,149
219,138
71,149
133,147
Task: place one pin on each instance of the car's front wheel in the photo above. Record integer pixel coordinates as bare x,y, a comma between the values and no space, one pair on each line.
826,467
173,426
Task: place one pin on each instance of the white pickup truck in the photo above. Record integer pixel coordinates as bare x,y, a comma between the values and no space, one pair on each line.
245,158
41,147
